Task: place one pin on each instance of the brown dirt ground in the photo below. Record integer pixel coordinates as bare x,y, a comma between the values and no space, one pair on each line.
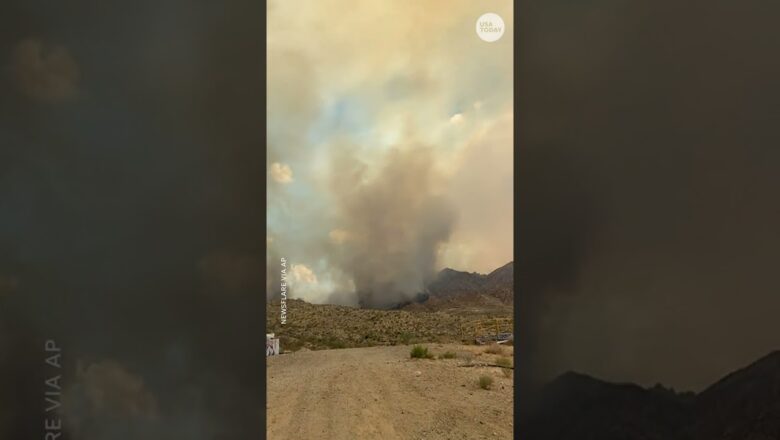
377,393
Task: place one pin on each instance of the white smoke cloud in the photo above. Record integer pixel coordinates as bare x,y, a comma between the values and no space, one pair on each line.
369,131
338,236
281,173
302,275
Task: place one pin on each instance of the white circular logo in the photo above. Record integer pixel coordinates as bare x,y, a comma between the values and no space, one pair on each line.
490,27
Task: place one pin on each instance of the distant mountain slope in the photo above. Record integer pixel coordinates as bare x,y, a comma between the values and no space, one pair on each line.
576,406
453,289
450,281
503,277
744,405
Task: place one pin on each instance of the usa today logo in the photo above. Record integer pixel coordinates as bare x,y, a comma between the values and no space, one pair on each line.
490,27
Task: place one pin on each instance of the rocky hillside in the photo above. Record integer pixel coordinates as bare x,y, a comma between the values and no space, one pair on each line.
320,326
576,406
744,405
467,292
445,313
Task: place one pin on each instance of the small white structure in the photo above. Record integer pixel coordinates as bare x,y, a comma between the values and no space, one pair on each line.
271,345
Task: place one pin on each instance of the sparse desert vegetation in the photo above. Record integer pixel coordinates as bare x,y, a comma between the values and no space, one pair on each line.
504,362
420,352
496,349
381,392
390,366
325,326
485,382
468,357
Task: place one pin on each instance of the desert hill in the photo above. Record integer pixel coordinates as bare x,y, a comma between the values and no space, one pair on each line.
444,313
468,292
744,405
320,326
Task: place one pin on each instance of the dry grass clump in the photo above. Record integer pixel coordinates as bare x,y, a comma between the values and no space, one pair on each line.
504,362
468,357
485,382
495,349
420,352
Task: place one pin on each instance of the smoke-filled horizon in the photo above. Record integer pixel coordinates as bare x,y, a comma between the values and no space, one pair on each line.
648,171
389,147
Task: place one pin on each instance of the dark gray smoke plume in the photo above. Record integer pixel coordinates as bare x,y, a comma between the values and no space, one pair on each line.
394,223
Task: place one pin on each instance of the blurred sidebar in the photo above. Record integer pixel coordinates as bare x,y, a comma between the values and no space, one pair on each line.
649,223
131,220
390,266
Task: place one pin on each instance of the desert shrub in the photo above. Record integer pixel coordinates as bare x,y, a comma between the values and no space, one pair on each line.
287,344
495,349
467,357
406,338
420,352
448,355
485,382
332,342
504,362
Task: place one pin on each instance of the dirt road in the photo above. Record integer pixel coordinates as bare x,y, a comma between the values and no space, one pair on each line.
380,393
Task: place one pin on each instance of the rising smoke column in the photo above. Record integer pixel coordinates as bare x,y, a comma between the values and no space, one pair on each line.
391,224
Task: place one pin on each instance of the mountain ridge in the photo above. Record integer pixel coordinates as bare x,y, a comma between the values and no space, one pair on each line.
453,289
743,405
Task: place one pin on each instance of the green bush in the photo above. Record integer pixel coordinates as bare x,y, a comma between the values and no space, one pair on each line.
485,382
406,338
331,342
420,352
504,362
448,355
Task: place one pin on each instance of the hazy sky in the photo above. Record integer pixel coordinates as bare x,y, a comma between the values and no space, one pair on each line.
390,144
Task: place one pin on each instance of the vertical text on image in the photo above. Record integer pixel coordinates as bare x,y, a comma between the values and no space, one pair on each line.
52,424
283,302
